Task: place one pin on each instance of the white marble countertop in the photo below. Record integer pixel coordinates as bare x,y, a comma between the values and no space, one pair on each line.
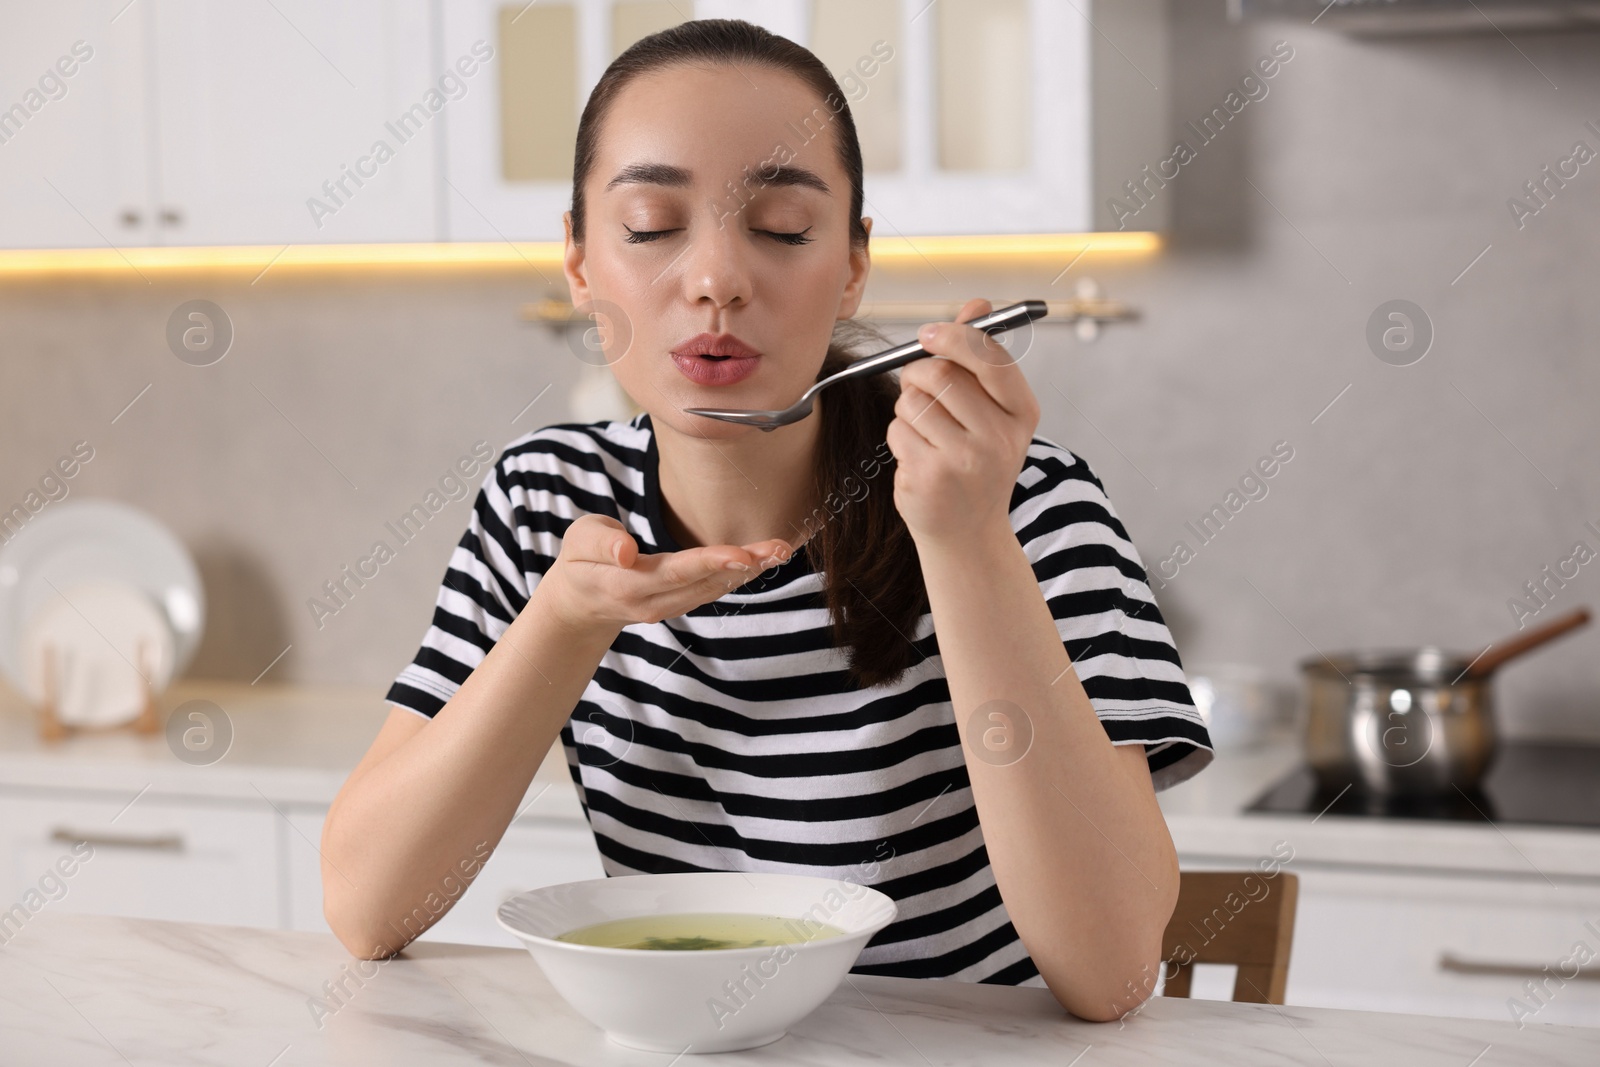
294,745
89,990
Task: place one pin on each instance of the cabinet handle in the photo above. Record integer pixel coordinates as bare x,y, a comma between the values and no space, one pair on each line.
1447,962
130,218
171,216
153,842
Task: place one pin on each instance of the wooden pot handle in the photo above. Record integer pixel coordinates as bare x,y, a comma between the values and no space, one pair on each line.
1515,646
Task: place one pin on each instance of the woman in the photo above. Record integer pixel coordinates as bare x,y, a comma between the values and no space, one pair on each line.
893,699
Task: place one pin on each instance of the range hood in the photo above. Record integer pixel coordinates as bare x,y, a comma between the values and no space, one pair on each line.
1394,17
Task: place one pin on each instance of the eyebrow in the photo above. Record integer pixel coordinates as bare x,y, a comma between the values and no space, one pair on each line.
679,177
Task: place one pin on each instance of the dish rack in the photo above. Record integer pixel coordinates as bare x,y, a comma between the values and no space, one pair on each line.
52,730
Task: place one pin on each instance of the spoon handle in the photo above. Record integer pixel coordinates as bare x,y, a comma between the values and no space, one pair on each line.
1005,318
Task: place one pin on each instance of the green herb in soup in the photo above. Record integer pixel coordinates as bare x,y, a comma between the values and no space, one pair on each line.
697,931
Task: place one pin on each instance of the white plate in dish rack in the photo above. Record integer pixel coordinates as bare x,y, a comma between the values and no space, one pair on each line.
95,651
81,543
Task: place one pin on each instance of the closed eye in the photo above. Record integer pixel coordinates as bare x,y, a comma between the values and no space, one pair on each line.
645,236
636,237
790,238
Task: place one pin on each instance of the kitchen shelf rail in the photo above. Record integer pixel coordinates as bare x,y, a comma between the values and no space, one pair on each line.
1083,310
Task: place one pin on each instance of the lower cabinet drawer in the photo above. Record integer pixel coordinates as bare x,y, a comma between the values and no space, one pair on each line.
532,853
1469,946
151,859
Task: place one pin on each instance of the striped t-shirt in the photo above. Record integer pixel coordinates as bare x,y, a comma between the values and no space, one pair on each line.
731,738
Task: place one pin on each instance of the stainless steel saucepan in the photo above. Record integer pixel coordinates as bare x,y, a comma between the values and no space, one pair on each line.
1413,722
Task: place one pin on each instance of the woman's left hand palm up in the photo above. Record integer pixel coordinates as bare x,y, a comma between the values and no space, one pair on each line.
960,433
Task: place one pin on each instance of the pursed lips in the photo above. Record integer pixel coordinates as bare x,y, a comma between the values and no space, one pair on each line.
715,346
715,359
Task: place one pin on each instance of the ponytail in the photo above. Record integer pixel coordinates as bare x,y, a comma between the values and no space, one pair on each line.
860,544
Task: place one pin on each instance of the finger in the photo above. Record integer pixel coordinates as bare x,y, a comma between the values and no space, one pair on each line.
710,584
679,569
674,602
974,308
954,387
926,415
774,550
905,443
599,539
989,361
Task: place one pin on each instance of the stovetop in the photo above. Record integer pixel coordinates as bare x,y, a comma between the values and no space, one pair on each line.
1543,784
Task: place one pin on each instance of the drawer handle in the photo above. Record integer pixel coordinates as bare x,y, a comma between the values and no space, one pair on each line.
1447,962
155,842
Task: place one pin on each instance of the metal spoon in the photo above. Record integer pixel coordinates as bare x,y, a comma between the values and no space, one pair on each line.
995,322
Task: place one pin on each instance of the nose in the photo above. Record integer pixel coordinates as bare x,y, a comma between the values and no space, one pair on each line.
714,265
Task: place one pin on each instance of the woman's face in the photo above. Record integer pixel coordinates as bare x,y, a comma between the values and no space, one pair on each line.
681,162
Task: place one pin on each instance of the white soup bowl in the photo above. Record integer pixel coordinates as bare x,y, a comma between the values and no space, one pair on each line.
712,1000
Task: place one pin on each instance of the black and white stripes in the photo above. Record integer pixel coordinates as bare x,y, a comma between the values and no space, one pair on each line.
730,738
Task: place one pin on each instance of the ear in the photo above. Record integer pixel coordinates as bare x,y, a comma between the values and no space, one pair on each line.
572,264
860,267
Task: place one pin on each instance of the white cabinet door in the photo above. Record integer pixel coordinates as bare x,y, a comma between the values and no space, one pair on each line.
563,42
74,164
533,853
1435,945
297,122
151,859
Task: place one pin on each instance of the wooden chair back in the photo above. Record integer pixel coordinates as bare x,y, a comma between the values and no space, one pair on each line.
1245,918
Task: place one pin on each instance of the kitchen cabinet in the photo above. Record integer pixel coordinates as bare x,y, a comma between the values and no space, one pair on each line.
75,166
236,841
213,862
298,122
1445,945
976,116
223,861
184,122
193,123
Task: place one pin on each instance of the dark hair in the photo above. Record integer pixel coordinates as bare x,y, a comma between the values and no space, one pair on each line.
861,545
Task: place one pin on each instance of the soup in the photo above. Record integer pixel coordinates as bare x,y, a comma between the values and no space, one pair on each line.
699,931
